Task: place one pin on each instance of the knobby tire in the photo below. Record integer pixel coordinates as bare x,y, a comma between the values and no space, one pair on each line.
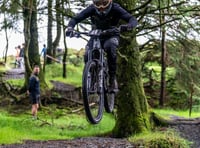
92,98
109,97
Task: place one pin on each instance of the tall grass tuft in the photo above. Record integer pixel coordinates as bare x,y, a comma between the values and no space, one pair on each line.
160,139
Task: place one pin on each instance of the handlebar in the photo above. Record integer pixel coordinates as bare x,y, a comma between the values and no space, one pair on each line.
99,32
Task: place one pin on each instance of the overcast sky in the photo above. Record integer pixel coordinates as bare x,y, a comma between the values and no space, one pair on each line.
17,38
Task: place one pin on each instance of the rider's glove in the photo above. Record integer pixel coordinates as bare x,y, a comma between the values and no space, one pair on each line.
124,28
69,32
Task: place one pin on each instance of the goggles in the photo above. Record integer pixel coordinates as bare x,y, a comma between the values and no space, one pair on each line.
102,4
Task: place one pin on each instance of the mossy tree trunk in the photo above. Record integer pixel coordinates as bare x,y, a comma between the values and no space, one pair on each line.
31,50
27,14
50,51
58,24
65,44
34,48
132,107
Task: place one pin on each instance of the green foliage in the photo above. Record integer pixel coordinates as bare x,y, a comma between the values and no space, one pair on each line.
160,139
16,128
186,61
75,57
155,68
10,62
74,74
16,82
184,56
2,68
182,73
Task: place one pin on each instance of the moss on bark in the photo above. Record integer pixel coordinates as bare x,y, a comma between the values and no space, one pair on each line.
132,110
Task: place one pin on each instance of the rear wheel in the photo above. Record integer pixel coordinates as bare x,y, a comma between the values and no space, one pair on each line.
109,102
92,93
109,97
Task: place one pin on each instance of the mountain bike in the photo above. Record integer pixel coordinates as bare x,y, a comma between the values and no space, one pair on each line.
95,79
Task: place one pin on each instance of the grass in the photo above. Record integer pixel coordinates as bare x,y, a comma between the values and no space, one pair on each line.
181,113
16,82
16,128
164,137
160,139
54,72
74,74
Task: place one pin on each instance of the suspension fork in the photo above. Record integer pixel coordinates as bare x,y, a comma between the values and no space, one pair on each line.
101,73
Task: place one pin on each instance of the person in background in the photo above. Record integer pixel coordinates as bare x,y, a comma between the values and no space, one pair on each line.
34,91
43,55
17,50
21,55
44,51
105,14
59,54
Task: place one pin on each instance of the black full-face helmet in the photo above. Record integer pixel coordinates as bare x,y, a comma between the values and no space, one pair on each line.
103,7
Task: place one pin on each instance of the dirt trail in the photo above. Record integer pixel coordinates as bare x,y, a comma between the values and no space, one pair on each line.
90,142
188,129
14,73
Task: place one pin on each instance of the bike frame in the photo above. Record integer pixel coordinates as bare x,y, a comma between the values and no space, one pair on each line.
97,59
97,54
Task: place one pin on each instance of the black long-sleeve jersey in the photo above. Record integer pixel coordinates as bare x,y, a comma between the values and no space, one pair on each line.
116,14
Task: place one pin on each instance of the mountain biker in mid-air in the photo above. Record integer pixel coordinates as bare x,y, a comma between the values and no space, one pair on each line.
105,14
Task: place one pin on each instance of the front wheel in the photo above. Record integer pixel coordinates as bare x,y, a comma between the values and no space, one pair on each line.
92,93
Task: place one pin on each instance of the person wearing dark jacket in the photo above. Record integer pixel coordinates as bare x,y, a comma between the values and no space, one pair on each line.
34,90
105,14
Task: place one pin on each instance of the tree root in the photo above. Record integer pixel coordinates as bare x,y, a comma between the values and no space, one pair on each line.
44,122
7,90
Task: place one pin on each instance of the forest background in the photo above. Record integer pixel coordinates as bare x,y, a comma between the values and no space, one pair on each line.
166,62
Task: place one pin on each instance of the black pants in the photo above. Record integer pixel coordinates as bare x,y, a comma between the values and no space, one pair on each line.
110,45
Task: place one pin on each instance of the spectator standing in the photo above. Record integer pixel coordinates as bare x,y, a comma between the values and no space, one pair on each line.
17,50
44,51
34,91
43,55
21,55
59,54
